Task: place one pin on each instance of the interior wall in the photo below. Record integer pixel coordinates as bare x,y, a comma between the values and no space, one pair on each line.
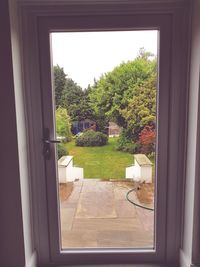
190,232
11,224
16,45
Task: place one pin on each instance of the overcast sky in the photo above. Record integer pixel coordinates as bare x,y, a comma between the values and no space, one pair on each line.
86,55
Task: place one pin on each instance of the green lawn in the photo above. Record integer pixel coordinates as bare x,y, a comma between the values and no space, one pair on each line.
101,162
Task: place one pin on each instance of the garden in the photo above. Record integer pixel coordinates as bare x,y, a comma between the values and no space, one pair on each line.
125,96
101,162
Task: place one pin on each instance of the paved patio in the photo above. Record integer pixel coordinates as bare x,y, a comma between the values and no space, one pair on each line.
95,213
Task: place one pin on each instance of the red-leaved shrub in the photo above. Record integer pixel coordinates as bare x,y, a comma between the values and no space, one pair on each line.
147,139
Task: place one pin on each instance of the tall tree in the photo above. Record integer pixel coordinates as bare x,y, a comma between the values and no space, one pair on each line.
112,92
59,85
70,96
77,101
141,109
72,93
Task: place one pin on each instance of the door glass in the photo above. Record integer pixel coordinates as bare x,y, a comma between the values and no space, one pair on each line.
105,88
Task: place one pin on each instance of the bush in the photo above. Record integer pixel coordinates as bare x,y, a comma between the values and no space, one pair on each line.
61,150
147,140
63,125
124,143
91,138
131,148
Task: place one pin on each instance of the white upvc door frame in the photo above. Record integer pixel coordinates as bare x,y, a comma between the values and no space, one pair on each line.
38,22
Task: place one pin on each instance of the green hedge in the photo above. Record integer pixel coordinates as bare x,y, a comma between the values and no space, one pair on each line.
61,150
124,144
91,138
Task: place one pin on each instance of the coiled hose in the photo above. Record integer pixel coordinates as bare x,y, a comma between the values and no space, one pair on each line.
132,202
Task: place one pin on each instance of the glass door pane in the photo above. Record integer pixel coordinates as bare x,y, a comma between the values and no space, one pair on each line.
105,90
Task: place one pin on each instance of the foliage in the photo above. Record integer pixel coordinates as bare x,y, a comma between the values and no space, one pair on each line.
72,93
61,150
122,140
63,125
91,138
70,96
79,108
59,85
102,122
147,139
111,94
67,93
124,143
141,109
126,95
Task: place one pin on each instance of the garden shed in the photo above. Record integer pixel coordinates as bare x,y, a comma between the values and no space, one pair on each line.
114,129
80,126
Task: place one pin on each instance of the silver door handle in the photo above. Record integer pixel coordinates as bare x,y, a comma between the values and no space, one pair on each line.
47,141
47,144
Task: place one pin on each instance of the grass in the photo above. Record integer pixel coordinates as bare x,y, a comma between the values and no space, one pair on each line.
101,162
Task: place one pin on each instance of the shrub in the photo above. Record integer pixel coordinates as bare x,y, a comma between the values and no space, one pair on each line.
124,143
131,148
147,140
91,138
63,125
61,150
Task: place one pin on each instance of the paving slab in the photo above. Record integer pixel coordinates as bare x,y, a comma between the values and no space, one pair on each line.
124,209
65,190
96,185
67,218
107,224
146,218
67,204
79,239
97,214
74,197
127,239
96,205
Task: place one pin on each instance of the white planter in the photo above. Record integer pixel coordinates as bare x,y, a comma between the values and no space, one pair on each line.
141,171
67,172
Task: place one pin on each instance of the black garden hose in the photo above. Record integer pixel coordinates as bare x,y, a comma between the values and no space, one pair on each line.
132,202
